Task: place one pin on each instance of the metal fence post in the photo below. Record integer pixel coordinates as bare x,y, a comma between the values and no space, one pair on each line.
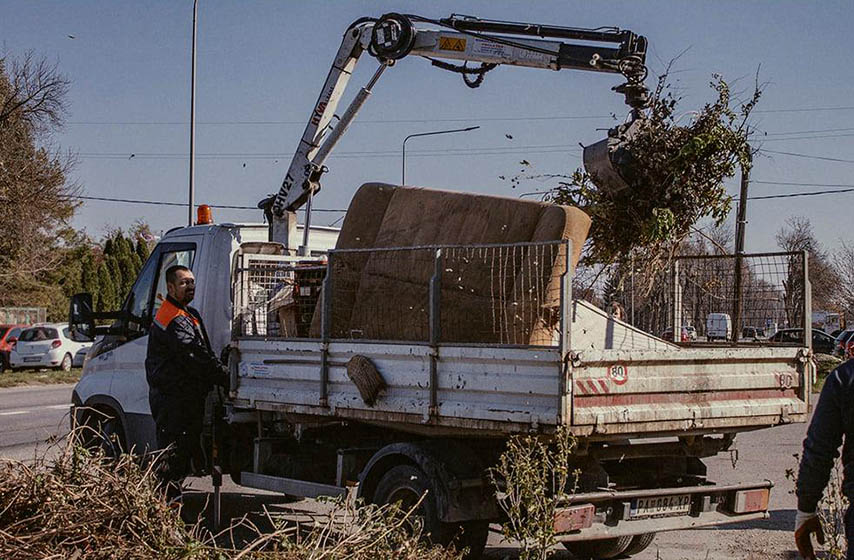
565,374
325,329
676,312
807,302
807,375
738,298
435,325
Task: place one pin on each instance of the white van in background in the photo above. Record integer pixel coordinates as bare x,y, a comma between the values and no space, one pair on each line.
718,327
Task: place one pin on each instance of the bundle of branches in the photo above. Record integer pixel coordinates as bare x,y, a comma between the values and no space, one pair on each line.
348,532
82,505
675,174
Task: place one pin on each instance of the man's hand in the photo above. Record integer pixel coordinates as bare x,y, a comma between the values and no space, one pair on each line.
805,525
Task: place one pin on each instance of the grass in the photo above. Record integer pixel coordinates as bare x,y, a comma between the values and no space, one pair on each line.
38,377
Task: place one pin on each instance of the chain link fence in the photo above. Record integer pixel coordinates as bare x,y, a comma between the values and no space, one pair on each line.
720,296
489,294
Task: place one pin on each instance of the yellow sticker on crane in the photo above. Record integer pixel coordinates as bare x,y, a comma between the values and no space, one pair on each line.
452,44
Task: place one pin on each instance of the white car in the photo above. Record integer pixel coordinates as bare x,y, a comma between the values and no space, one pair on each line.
48,346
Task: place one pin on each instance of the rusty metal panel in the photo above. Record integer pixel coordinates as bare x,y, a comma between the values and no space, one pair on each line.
699,388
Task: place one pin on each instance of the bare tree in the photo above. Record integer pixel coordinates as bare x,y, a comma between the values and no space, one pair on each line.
797,235
843,265
36,199
36,93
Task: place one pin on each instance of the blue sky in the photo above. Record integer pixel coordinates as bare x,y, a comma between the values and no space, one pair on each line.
261,66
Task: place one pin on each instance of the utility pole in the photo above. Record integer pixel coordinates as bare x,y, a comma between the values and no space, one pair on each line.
740,227
192,119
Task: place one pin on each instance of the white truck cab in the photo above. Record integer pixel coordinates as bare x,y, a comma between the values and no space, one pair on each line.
113,382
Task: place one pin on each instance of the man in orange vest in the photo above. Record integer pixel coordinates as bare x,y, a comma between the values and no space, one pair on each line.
181,369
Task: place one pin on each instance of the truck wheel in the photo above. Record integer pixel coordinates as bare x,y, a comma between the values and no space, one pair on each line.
404,485
65,364
4,364
639,543
599,549
104,431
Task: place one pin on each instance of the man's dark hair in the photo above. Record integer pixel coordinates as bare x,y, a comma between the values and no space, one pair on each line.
172,272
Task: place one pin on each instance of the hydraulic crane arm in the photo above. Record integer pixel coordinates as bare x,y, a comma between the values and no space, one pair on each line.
490,43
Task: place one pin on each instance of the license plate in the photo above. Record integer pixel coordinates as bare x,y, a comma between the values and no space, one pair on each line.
33,359
661,506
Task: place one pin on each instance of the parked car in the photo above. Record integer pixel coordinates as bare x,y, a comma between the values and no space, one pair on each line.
48,346
718,327
692,333
841,341
821,341
8,336
753,333
668,335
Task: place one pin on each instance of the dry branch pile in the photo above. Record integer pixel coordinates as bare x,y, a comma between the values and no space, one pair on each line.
84,506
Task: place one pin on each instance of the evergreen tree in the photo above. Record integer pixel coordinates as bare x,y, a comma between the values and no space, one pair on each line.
142,249
117,278
89,275
106,300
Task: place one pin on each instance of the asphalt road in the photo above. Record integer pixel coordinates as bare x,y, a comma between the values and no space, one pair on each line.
31,415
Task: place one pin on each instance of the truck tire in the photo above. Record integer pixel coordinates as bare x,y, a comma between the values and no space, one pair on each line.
104,432
404,485
600,549
639,543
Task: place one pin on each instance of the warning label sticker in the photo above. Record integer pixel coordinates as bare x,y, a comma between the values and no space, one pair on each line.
452,44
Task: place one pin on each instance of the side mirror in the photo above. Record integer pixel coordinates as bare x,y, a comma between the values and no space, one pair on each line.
81,319
12,339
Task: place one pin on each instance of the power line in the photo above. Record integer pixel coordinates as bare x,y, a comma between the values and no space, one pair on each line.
850,188
807,131
184,204
815,137
368,121
431,120
483,151
807,156
838,185
796,195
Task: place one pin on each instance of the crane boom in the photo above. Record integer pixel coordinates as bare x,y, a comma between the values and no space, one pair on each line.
488,42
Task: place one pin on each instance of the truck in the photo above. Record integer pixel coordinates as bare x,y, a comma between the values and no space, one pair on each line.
415,401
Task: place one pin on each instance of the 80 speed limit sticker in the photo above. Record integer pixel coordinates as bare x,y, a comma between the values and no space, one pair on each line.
618,373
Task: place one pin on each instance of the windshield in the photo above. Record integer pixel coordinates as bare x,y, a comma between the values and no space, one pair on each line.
3,331
39,333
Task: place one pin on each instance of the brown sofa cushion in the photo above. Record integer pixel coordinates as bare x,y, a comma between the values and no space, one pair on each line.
486,293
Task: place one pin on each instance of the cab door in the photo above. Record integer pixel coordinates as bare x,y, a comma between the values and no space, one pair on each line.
129,386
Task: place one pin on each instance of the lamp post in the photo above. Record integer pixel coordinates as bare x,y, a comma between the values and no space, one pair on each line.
192,118
403,158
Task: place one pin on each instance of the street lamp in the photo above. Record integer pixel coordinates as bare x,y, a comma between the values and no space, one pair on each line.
403,159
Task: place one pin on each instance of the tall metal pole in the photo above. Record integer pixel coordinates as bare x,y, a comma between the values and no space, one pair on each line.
740,227
403,152
192,120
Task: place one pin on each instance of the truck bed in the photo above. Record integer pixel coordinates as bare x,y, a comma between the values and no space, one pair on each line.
600,376
499,390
